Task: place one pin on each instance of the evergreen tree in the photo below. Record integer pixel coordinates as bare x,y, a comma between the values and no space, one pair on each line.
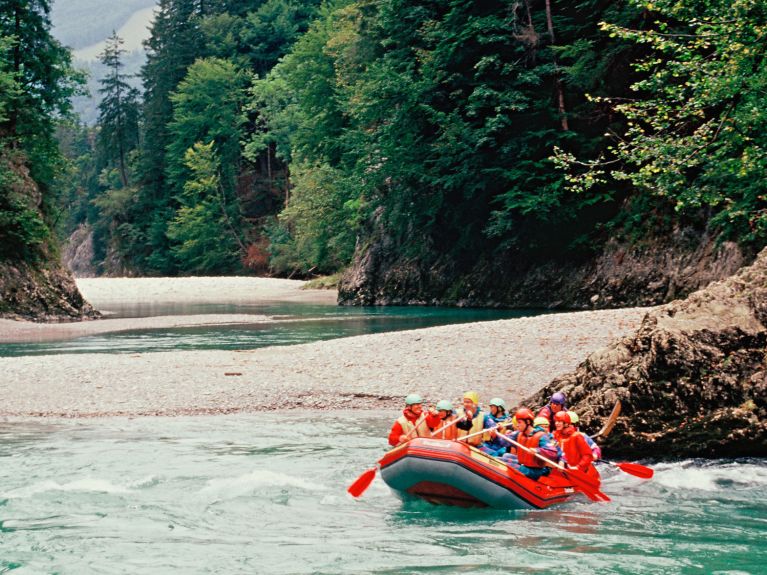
118,111
37,71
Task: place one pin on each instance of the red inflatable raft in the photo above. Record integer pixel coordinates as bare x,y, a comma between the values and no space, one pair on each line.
453,473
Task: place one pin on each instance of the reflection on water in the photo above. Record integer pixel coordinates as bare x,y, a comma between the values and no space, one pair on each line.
296,323
266,494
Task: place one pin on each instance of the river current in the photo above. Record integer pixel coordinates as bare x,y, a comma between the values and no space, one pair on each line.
266,493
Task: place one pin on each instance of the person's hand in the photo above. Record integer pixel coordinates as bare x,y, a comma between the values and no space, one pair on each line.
402,439
432,410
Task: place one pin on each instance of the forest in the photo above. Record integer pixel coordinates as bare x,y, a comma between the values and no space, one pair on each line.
280,137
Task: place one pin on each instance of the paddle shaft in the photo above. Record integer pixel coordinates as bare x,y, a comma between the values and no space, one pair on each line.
444,427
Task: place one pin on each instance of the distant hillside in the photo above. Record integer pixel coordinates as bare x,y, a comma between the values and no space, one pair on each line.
82,23
75,26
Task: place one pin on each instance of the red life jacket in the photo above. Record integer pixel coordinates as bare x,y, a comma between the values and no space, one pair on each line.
531,442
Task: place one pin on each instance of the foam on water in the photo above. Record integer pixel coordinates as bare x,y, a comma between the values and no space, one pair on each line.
89,484
707,476
231,487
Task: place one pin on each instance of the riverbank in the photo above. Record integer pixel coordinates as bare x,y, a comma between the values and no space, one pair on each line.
511,358
151,293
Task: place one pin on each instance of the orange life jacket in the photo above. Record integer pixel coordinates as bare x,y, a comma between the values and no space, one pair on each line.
449,433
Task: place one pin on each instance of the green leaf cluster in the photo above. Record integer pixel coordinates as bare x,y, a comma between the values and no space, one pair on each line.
696,133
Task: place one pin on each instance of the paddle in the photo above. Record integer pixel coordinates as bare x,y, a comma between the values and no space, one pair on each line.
634,469
444,427
610,423
580,480
361,484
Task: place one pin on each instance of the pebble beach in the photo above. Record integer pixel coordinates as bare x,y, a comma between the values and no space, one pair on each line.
508,358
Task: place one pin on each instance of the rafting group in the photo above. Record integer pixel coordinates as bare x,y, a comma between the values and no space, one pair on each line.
523,440
475,458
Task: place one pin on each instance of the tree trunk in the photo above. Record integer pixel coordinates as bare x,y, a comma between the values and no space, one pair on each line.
558,79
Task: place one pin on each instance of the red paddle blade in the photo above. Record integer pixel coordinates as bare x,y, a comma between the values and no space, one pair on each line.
636,470
582,483
362,483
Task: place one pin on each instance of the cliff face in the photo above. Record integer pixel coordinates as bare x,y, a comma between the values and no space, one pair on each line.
38,293
618,275
35,286
692,381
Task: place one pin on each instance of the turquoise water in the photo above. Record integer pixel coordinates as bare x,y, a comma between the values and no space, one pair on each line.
296,323
266,494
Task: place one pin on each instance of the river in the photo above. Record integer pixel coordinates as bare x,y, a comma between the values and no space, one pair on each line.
266,494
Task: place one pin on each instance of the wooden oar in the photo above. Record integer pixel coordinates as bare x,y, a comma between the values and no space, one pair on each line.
580,480
634,469
610,423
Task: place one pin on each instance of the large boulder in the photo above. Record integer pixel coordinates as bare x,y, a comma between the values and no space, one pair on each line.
41,293
692,380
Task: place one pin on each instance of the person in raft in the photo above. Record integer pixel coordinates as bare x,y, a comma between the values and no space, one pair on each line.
492,444
596,451
535,438
472,419
445,425
555,405
575,450
413,422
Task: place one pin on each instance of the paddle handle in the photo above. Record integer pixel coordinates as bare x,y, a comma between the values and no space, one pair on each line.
444,427
465,437
538,455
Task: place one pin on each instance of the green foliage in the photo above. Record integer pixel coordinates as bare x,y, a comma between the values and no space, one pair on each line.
204,239
9,87
444,115
206,106
36,83
317,231
697,130
22,229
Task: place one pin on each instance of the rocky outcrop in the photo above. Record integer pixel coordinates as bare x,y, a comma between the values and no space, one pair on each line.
78,253
40,294
692,380
619,274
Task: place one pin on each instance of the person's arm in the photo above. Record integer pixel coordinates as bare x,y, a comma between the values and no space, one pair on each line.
433,421
584,452
596,451
395,434
464,424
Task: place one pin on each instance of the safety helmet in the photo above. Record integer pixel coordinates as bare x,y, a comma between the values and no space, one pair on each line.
558,397
562,416
542,421
413,398
574,419
473,396
444,405
524,413
498,402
